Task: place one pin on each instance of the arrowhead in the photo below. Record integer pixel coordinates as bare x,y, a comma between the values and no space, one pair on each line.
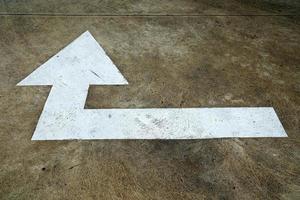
83,61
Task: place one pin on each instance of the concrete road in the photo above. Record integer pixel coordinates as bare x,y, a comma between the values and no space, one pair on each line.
174,54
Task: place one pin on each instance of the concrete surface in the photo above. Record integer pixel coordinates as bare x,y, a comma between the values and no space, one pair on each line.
154,7
170,61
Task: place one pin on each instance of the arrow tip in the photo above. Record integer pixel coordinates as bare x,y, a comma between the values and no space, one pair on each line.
83,61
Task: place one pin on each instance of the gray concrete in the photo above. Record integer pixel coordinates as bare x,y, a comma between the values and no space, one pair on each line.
170,61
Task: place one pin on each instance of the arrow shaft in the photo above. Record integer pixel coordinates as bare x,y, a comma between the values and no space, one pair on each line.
66,97
64,117
63,106
189,123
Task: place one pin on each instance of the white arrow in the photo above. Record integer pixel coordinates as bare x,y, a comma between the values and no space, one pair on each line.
84,62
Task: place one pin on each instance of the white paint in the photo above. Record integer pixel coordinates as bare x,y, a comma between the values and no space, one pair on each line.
84,62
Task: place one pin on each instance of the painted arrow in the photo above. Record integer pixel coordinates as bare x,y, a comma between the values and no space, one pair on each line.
84,62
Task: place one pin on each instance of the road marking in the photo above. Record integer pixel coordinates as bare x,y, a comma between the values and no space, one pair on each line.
83,62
